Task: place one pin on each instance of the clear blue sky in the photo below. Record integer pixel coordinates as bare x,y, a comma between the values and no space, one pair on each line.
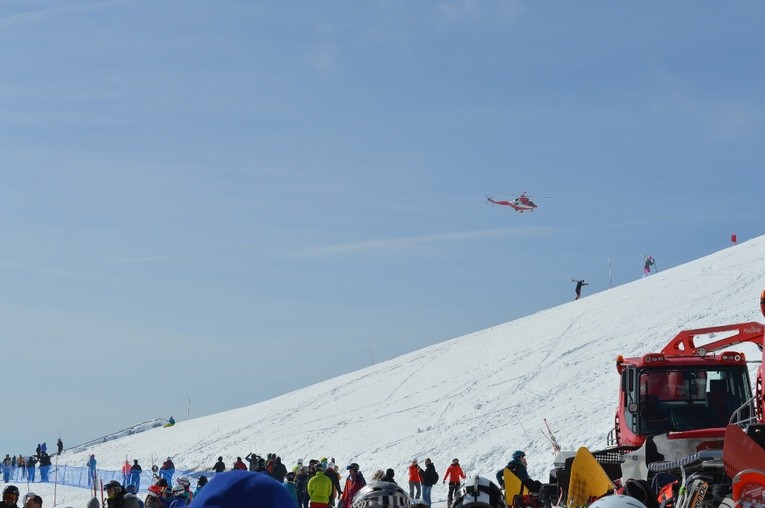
223,201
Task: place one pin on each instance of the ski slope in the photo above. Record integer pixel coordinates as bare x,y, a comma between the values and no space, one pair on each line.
477,397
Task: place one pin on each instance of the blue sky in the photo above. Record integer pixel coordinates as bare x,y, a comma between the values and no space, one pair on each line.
224,201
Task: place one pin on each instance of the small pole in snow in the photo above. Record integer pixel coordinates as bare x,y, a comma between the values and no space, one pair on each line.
370,354
609,273
188,409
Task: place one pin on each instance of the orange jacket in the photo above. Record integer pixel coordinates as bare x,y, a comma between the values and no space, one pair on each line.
414,473
454,474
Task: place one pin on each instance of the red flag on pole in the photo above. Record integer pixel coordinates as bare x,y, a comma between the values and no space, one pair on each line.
733,238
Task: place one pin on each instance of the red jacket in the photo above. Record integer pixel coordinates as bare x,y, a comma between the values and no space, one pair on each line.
454,474
414,473
352,485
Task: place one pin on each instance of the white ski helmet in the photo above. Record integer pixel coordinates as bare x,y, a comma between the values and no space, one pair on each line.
617,501
381,494
479,492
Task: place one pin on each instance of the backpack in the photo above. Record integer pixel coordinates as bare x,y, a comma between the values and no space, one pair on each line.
526,501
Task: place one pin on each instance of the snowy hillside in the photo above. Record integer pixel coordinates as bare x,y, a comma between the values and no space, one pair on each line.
476,397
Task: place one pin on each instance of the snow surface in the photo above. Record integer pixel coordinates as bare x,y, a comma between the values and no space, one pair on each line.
476,397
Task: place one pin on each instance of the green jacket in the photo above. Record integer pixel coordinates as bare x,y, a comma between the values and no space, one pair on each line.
319,488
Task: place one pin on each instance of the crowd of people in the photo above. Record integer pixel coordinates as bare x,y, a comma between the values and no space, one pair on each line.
317,483
25,468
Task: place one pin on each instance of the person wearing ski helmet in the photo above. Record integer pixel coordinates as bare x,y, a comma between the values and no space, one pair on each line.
353,484
10,497
201,482
518,466
454,475
480,492
115,496
378,494
617,501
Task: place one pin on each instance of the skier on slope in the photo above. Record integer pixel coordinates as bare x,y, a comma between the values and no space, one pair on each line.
578,290
649,262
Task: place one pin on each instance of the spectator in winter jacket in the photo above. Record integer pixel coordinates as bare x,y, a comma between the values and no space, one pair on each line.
135,475
21,463
219,466
32,500
278,470
10,497
415,481
353,484
237,489
131,498
59,446
201,482
388,476
167,470
332,473
319,488
31,463
289,484
252,459
153,497
517,466
91,463
454,475
301,485
115,496
429,478
7,467
44,466
125,474
239,464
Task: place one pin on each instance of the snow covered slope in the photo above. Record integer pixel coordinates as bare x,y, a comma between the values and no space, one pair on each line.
476,397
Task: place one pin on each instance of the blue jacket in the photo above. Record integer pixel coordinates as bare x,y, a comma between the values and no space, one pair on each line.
243,488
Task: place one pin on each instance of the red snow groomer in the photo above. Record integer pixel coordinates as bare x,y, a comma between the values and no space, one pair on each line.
676,406
687,415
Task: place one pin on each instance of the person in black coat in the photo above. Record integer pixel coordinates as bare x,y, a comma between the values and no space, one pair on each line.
578,290
429,478
219,466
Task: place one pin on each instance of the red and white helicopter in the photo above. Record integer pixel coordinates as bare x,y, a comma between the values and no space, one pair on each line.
521,204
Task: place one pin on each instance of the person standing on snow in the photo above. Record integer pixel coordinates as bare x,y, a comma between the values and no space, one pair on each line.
415,480
59,446
44,466
454,475
91,463
167,471
125,474
353,484
319,488
578,290
219,466
649,262
429,478
135,475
